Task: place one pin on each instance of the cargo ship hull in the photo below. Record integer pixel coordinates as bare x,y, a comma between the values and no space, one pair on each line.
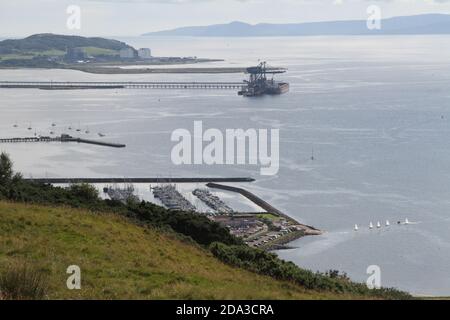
269,88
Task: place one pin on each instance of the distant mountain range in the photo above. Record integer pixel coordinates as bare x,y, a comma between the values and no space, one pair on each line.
410,25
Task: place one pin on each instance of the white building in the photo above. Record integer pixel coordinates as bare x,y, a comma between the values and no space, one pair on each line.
145,53
127,53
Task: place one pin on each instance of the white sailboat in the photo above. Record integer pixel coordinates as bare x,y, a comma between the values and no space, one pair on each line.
388,223
356,227
407,221
371,225
378,225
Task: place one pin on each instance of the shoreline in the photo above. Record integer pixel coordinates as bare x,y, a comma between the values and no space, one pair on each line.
118,70
175,66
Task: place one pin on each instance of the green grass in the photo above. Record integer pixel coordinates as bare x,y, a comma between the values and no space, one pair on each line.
121,260
93,51
51,53
16,56
269,216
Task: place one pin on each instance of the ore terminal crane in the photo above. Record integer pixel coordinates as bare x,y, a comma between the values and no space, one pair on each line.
259,84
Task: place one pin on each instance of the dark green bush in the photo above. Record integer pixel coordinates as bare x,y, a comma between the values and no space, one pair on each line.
269,264
22,283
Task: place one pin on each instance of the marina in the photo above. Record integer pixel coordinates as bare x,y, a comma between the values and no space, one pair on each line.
172,199
122,194
212,201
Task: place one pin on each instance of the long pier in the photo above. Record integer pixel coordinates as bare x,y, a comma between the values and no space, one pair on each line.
139,180
63,138
67,85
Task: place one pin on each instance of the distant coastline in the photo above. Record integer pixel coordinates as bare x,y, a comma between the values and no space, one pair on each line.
92,55
143,69
425,24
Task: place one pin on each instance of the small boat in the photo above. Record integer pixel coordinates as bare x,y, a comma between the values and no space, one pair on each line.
312,155
30,127
101,135
356,227
52,133
407,221
87,131
388,223
371,225
15,125
53,124
378,225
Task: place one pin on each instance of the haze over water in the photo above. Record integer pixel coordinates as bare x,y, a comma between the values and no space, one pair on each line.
375,110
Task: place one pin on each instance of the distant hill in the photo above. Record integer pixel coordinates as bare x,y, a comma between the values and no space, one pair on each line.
419,24
48,42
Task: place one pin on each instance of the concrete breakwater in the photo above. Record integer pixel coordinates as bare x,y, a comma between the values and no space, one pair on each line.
138,180
308,230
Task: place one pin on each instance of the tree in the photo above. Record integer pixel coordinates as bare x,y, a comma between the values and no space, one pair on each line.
84,192
6,169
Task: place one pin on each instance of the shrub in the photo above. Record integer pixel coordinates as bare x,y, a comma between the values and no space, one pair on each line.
22,283
269,264
6,169
84,191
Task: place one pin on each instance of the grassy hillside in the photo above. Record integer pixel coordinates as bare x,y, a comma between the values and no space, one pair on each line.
139,250
45,43
119,259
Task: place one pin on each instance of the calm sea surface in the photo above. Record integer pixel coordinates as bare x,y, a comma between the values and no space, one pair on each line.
376,111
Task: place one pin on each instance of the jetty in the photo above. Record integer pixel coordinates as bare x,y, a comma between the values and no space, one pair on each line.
62,138
69,85
260,83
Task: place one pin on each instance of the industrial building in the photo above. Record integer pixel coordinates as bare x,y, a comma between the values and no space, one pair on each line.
127,53
145,53
75,55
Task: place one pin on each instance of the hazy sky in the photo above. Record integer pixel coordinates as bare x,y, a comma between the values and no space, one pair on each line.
134,17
